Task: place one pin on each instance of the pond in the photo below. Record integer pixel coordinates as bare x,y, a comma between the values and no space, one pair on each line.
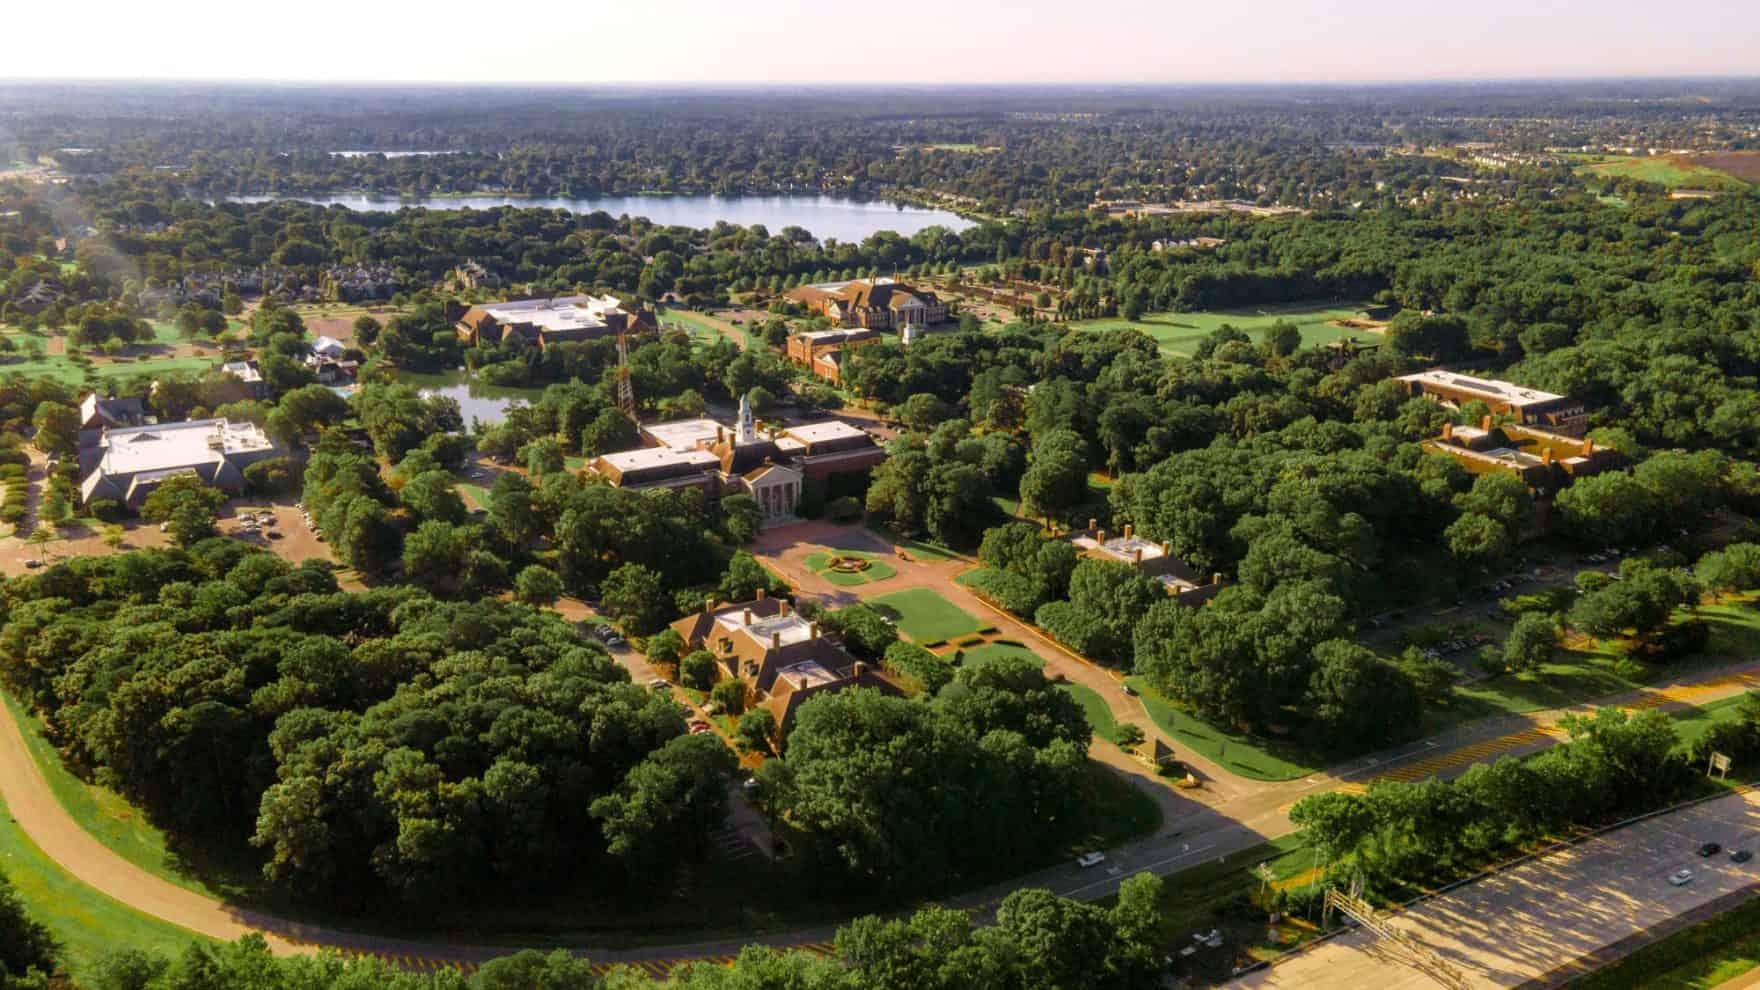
476,400
847,220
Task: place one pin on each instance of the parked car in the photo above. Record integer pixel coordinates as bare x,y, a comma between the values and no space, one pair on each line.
1740,855
1709,850
660,684
1680,878
33,563
1127,689
1090,859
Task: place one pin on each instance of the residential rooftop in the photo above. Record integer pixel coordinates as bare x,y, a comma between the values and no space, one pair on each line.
179,445
785,629
807,674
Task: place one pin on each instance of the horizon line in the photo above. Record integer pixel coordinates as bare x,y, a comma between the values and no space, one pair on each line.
834,85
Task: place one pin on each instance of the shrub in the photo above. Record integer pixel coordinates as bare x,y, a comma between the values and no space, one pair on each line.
1072,627
107,510
1006,589
845,509
275,476
910,661
729,695
697,670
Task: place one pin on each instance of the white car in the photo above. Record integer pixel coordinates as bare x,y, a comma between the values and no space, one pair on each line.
1680,878
1089,860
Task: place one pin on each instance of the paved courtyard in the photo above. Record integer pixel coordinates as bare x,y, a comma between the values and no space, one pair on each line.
1526,923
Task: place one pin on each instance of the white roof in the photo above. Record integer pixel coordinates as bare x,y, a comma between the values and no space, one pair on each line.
791,627
563,313
684,434
178,445
242,370
807,673
831,429
647,457
1515,395
328,346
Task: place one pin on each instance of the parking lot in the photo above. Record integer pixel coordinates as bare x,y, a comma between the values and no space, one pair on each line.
1544,914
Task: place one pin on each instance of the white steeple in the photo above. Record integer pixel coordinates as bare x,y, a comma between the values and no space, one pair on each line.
748,430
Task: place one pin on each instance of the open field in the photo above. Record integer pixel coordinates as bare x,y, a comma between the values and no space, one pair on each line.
1002,648
1179,333
1094,708
1673,171
925,616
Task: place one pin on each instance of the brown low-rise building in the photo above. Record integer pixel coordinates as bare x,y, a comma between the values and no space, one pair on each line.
822,351
1529,406
1545,460
1153,560
783,658
871,304
773,469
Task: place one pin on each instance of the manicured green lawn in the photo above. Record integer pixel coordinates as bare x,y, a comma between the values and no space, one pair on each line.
475,496
1244,755
925,616
878,568
89,924
1179,333
1577,676
63,369
1094,708
989,651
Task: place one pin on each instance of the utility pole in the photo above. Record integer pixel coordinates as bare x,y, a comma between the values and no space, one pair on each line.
626,392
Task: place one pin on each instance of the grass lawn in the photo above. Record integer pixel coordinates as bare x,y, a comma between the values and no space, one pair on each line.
918,549
476,496
1693,724
1003,648
1250,757
703,324
62,368
1577,676
1179,333
878,568
1094,708
925,616
88,924
1675,173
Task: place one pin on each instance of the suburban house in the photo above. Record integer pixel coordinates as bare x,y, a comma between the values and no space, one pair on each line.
472,275
1530,407
549,321
703,454
1545,460
249,377
1153,560
128,464
821,351
871,304
783,659
97,415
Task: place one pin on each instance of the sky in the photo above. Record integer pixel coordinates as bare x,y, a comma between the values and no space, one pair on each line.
902,41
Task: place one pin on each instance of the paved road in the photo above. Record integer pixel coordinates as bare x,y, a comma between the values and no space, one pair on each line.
1527,923
1228,815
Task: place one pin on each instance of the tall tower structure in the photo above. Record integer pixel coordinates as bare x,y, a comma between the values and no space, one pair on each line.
626,392
748,428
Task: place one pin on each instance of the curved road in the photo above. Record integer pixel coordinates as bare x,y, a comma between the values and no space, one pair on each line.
1227,816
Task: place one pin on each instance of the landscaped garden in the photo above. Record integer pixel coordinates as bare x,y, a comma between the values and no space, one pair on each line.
925,616
850,568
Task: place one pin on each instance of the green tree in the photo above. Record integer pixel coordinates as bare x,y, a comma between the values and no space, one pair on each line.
697,669
669,804
755,732
729,695
57,429
1531,642
537,585
635,596
187,507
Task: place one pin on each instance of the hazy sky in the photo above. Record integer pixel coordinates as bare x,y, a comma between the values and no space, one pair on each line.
878,43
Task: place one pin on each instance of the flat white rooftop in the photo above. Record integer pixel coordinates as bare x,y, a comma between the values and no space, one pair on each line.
684,434
1124,548
562,313
647,457
806,674
832,429
1490,388
791,627
178,445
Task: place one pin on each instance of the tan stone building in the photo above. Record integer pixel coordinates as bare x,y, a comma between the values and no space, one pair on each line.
1153,560
871,304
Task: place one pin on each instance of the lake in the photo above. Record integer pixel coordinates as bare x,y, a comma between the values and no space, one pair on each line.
847,220
476,400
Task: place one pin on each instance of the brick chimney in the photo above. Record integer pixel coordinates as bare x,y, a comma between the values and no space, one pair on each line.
1448,431
861,668
1127,531
1100,537
1216,578
1166,549
1093,524
748,617
760,594
782,606
776,641
1485,423
708,605
813,630
1588,446
1136,555
1546,455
